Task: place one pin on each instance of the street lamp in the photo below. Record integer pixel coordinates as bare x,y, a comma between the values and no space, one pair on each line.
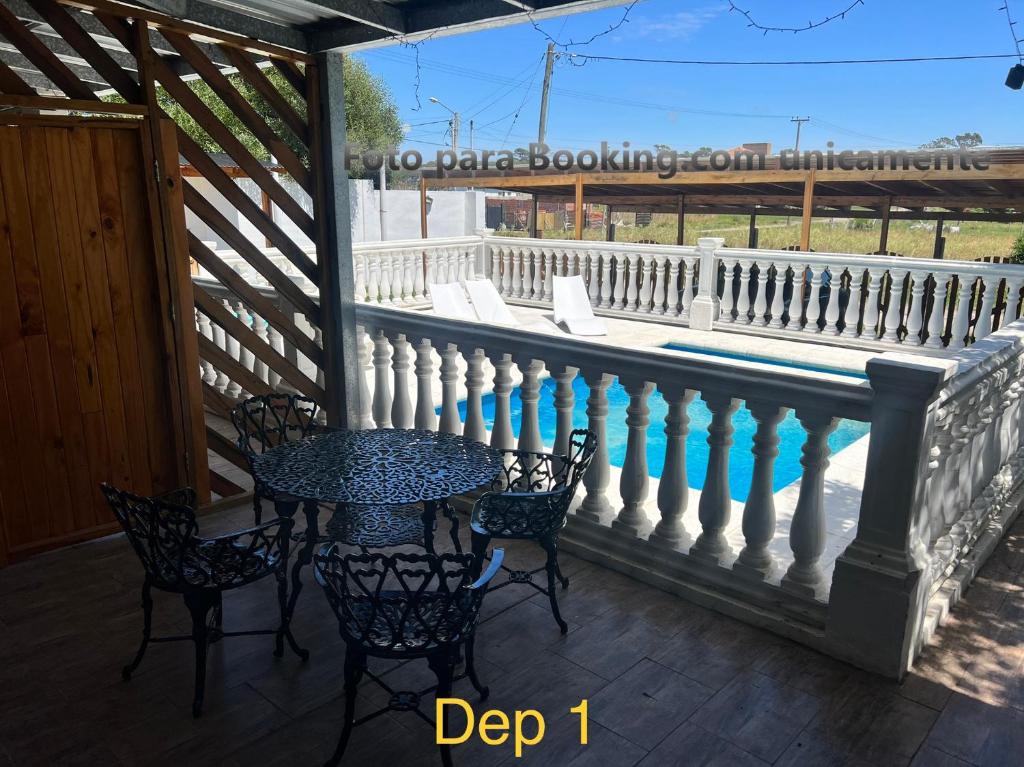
454,122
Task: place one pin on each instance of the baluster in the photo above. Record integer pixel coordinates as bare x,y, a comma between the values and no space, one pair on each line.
690,263
519,273
474,427
387,265
915,313
672,267
937,318
373,280
646,291
538,274
807,530
595,506
619,296
260,368
759,512
892,313
634,480
496,267
565,400
984,324
961,316
658,289
852,313
450,422
506,277
359,265
870,321
606,280
716,499
814,302
209,374
673,489
276,341
594,278
743,299
418,291
1013,286
401,404
501,432
634,267
778,298
549,274
835,284
529,396
381,384
426,417
245,357
728,298
233,348
761,295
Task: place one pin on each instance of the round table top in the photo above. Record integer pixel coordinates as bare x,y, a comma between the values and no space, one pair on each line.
378,466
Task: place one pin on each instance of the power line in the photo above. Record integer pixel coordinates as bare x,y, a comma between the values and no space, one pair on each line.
810,24
803,62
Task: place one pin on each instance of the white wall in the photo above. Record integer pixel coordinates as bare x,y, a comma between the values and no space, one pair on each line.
451,214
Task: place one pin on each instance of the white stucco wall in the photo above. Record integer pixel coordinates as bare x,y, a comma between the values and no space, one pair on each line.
451,214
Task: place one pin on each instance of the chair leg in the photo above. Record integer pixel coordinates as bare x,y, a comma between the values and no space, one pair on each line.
355,664
479,542
199,605
551,566
471,670
453,522
443,666
147,629
558,570
257,509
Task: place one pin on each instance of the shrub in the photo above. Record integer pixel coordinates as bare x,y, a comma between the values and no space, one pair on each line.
1017,251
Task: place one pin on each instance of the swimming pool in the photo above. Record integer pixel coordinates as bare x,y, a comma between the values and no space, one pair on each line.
741,460
763,360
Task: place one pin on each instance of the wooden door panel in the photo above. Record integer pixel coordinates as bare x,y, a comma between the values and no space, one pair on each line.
85,345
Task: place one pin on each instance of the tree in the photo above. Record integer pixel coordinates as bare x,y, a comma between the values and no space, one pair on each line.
960,141
1017,250
371,118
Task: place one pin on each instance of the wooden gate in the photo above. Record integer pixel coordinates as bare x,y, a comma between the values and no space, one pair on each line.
90,384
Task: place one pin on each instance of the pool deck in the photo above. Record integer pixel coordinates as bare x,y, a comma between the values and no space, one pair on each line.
844,477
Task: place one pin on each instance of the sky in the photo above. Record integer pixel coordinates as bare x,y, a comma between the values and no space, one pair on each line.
494,77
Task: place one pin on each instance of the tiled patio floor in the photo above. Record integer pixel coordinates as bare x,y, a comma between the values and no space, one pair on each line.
668,683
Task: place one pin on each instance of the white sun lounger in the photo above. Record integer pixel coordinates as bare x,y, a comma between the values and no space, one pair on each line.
488,303
449,300
572,307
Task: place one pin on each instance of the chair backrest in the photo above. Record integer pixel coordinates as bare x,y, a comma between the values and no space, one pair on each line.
401,604
571,299
488,303
582,446
449,300
273,419
161,531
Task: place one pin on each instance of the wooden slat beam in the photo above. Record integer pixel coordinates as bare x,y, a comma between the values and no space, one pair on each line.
225,448
808,207
42,58
223,486
231,367
12,83
258,80
75,105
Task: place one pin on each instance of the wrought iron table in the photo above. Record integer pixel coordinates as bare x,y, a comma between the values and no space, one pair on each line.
372,467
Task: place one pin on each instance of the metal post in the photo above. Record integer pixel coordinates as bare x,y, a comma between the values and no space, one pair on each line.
337,282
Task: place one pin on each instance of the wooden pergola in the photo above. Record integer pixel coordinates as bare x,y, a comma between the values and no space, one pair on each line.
995,194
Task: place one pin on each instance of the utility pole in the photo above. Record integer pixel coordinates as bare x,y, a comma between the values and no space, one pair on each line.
455,131
470,135
799,122
541,129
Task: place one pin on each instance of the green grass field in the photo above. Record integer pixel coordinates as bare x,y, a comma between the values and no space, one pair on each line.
908,238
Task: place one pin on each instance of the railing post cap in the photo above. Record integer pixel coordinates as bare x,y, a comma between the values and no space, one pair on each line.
909,375
483,232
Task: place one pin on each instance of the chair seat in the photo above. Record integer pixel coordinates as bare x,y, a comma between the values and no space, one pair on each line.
218,565
375,526
387,625
519,519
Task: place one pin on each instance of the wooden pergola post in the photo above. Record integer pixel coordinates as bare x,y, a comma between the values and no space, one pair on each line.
337,280
534,211
883,237
680,219
808,208
940,241
609,227
423,208
579,206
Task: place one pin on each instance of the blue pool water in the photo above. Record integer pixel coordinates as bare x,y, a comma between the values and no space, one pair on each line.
741,460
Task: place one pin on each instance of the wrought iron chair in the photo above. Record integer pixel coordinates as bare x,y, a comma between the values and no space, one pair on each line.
530,500
164,534
405,607
273,419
